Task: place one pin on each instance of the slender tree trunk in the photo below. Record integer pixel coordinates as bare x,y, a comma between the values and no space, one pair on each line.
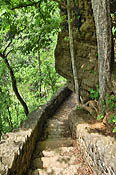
112,54
40,74
1,126
76,83
10,118
14,85
16,112
51,83
101,11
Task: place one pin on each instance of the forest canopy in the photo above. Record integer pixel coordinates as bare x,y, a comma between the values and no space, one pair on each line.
28,35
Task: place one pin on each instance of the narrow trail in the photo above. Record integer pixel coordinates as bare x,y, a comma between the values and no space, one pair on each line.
56,152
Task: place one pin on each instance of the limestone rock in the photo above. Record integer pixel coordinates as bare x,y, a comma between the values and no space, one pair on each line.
85,48
85,51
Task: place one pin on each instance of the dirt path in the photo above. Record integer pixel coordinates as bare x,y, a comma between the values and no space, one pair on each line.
56,153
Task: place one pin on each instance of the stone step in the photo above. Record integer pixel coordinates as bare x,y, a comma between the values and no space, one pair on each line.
49,144
56,136
54,121
56,128
59,160
56,124
69,170
57,151
57,132
59,157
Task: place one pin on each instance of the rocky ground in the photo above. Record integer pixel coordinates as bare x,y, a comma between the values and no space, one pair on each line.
56,153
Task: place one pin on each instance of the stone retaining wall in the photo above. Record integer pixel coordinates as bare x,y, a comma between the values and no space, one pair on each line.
16,148
98,150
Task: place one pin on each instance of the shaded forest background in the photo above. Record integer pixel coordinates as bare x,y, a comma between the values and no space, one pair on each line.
28,37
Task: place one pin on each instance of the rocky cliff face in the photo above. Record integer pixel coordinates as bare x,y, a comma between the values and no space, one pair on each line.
85,48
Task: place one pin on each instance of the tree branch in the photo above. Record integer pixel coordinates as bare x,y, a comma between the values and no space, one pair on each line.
25,5
33,4
7,47
60,3
9,52
14,84
1,55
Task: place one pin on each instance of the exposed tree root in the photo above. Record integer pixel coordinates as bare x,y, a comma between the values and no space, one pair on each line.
90,106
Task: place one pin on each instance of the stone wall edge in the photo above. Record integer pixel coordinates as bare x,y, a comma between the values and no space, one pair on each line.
16,148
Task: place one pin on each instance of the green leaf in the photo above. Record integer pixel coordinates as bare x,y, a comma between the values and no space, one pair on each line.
113,30
109,121
114,130
114,119
2,12
99,117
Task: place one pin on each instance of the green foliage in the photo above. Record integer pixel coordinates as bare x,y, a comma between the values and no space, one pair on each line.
66,38
114,130
112,119
113,30
94,93
25,32
110,103
100,117
113,15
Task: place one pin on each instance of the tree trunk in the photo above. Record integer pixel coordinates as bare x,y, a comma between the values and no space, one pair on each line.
51,83
14,85
76,83
101,11
9,119
40,74
112,54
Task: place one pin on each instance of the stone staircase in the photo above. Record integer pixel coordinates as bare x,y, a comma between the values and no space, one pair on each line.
56,153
